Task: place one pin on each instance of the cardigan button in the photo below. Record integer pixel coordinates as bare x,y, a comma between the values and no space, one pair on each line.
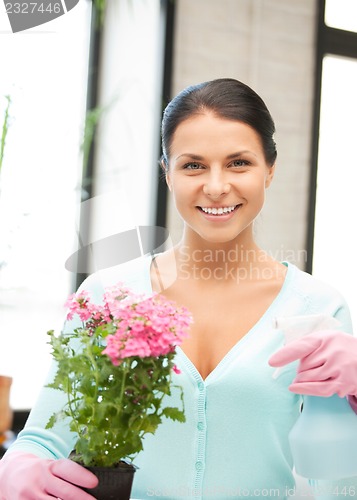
201,386
199,465
200,426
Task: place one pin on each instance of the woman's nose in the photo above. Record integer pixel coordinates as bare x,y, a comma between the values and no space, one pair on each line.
216,185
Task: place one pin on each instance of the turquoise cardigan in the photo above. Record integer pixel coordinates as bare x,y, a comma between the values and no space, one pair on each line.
234,443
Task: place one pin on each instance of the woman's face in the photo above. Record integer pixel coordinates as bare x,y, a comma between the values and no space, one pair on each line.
218,176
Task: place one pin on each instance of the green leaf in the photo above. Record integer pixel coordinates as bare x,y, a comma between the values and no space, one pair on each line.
174,414
55,417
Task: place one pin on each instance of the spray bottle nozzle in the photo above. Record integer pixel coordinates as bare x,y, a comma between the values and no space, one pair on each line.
296,327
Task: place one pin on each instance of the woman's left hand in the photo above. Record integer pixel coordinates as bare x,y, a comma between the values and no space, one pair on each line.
328,363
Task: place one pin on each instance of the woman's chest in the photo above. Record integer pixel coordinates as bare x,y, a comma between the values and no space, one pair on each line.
223,313
218,325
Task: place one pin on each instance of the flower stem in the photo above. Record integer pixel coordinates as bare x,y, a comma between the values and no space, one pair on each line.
71,410
96,376
123,381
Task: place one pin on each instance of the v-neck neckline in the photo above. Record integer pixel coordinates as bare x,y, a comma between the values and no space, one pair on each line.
225,360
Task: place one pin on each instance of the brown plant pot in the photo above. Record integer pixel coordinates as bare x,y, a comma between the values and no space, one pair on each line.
114,483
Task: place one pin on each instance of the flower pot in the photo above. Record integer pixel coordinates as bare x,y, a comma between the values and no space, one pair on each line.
114,483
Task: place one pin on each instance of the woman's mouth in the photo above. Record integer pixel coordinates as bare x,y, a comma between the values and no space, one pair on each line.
219,213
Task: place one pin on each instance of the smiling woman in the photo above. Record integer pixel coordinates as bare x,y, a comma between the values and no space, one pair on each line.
219,159
225,171
218,167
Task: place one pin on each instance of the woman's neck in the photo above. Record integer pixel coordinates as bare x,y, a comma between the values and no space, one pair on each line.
221,261
241,251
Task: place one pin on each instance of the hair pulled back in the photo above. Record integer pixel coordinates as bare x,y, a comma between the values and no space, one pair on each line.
226,98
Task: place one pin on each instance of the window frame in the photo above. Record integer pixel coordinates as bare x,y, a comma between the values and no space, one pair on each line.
335,42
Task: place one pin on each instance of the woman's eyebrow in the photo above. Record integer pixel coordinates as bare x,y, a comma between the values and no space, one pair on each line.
229,157
190,155
240,153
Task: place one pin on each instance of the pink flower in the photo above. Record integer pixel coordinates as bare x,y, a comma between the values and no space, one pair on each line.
114,296
79,303
144,326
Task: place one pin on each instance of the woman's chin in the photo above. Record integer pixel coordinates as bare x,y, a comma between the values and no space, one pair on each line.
217,239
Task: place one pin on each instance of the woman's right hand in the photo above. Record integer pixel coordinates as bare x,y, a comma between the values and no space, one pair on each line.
24,476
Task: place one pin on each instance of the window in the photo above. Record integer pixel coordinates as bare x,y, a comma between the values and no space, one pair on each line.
44,70
341,14
45,73
336,203
333,182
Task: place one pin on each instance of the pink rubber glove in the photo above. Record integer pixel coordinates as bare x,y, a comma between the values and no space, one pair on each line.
328,363
24,476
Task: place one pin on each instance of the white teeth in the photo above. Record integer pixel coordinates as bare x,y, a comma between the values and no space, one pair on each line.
218,211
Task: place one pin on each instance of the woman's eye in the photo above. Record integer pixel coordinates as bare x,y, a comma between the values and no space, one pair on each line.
192,166
239,163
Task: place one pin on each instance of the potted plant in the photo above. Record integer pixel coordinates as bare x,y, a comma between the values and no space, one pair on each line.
116,369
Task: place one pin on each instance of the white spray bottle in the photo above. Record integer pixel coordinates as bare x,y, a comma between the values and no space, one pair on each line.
323,441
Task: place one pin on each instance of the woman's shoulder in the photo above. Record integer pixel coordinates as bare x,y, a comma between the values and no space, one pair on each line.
315,290
134,274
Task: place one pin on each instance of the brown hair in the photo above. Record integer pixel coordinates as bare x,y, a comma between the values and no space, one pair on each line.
227,98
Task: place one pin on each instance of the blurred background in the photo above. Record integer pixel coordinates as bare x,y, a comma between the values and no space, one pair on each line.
81,100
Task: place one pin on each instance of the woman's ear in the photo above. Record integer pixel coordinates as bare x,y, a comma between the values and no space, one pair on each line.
270,175
165,168
168,180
